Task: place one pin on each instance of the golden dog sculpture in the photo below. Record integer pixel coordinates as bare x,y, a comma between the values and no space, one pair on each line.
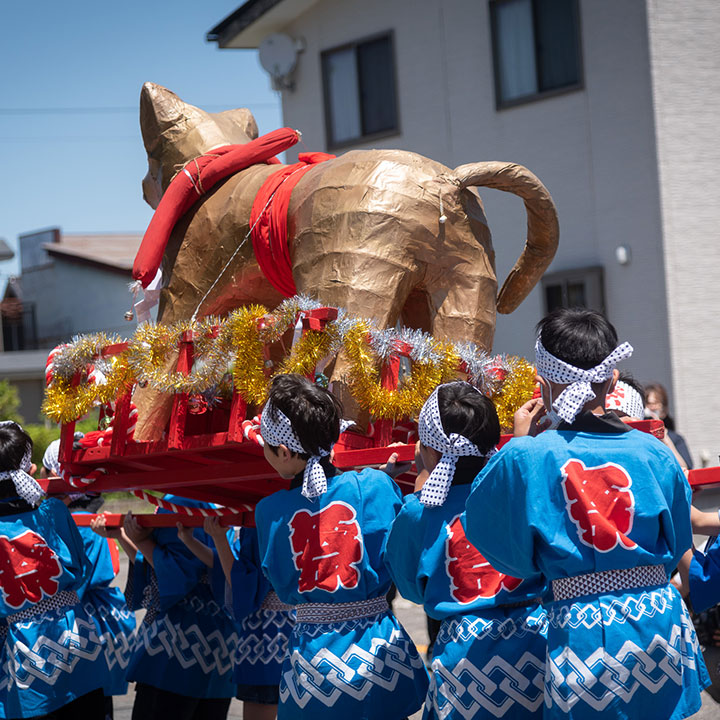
386,234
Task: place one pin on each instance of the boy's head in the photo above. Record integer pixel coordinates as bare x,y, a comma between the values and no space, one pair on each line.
577,350
314,423
16,466
627,400
581,338
456,422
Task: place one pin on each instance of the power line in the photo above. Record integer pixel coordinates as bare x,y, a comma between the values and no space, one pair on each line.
106,110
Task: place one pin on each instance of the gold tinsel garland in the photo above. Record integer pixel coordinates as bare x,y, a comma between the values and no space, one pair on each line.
240,340
64,402
244,337
407,400
516,389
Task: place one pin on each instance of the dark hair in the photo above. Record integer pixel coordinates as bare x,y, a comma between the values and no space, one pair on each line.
14,443
465,411
580,337
313,412
628,379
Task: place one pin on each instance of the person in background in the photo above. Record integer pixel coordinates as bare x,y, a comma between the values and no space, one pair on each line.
493,625
182,661
602,511
115,623
51,659
322,546
656,405
263,621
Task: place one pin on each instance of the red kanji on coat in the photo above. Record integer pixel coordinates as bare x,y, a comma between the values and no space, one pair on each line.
600,503
327,547
471,574
29,569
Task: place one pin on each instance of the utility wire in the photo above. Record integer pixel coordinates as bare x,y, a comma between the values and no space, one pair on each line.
104,110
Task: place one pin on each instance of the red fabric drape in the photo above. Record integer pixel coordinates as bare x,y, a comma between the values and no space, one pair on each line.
268,219
193,182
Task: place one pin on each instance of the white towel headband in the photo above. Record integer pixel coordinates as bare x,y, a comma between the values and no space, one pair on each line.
579,391
431,433
280,432
27,487
626,399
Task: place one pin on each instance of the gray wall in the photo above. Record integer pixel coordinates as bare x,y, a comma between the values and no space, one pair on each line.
593,148
74,298
686,84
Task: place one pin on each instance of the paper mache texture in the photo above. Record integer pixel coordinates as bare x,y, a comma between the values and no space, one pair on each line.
365,233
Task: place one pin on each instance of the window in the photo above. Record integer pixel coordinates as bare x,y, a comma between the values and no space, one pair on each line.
574,288
536,49
19,327
359,86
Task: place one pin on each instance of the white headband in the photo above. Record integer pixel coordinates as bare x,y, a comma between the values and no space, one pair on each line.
27,487
280,432
51,458
431,433
625,398
579,391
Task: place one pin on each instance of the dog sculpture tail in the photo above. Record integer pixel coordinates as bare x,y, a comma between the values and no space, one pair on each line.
542,228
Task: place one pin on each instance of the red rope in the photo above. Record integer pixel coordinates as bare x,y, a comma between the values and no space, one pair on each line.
268,220
193,181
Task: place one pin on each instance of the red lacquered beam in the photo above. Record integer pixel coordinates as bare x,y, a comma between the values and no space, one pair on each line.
161,520
704,478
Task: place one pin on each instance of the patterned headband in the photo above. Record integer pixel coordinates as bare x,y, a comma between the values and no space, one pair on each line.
280,432
626,399
431,433
27,487
579,391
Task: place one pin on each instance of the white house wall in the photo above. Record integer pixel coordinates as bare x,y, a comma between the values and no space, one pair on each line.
593,148
686,85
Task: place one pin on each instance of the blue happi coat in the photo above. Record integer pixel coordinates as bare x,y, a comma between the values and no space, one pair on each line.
331,550
489,657
263,627
52,652
115,622
704,576
596,496
187,641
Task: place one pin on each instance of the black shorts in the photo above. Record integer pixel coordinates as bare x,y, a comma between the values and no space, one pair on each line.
260,694
152,703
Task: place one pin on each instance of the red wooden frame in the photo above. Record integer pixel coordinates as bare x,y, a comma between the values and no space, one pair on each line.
220,465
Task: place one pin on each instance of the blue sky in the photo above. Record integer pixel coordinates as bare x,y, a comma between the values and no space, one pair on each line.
81,171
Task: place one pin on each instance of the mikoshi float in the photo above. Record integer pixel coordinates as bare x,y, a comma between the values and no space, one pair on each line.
372,272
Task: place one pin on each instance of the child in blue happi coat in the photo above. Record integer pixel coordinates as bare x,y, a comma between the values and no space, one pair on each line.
602,511
264,622
52,663
489,658
183,656
322,546
106,604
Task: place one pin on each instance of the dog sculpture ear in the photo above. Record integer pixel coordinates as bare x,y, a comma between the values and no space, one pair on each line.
244,120
160,110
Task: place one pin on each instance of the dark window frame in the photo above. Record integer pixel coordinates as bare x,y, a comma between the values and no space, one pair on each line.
329,142
501,104
592,273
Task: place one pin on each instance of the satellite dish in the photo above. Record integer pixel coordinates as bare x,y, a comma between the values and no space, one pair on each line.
278,57
6,252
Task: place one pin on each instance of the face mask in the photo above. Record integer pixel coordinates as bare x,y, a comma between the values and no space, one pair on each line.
551,414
